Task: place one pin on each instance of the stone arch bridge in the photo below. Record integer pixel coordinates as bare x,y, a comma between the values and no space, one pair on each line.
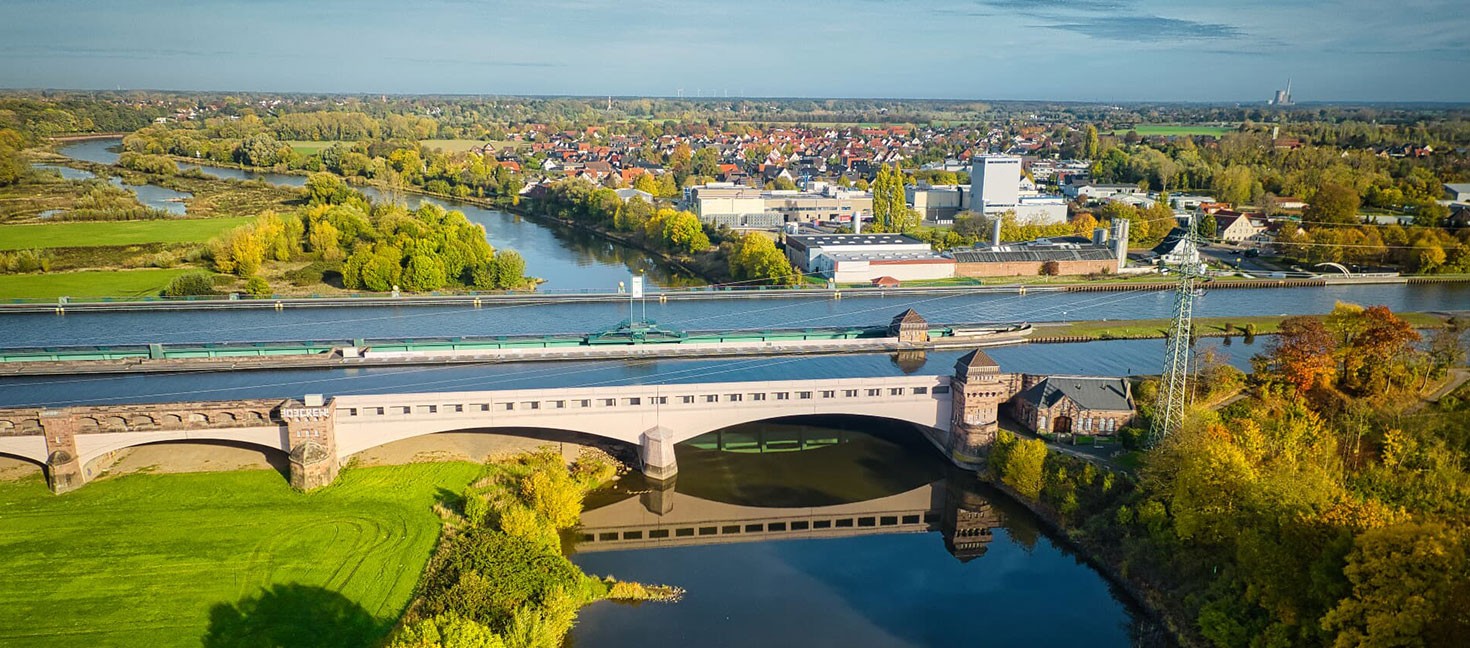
957,413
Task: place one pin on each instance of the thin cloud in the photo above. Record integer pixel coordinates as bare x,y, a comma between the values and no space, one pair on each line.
1148,29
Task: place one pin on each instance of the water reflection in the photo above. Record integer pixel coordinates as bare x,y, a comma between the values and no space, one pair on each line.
825,547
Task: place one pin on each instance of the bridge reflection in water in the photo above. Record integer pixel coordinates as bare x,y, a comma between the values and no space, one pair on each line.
811,477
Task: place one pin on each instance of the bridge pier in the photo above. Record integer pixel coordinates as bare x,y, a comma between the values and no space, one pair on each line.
311,433
976,391
657,453
64,471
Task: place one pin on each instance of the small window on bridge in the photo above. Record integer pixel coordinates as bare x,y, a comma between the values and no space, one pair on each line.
829,393
850,393
732,528
609,402
607,536
586,402
405,410
734,398
378,411
684,532
844,523
776,526
531,405
587,537
941,389
659,400
801,525
633,401
558,404
632,535
708,530
867,522
352,411
875,392
888,520
658,534
754,528
454,408
822,524
804,395
428,409
483,407
921,390
783,396
910,519
509,406
711,398
687,400
895,391
756,397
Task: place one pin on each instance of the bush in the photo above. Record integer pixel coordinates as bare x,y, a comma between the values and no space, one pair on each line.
21,261
485,576
192,284
258,288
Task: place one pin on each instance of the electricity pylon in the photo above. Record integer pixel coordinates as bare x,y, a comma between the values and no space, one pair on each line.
1174,391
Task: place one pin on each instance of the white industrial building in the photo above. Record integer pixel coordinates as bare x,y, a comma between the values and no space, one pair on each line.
742,207
861,258
995,188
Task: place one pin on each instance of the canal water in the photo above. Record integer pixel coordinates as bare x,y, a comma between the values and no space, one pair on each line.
1110,358
912,553
571,317
569,260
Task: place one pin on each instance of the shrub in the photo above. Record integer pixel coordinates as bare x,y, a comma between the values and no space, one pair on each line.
258,288
192,284
485,576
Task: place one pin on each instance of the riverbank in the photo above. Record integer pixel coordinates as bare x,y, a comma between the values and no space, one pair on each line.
1212,327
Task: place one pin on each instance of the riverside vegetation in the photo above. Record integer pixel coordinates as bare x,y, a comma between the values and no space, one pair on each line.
1329,508
500,577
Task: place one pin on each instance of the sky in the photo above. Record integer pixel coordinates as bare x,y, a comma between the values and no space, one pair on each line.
1065,50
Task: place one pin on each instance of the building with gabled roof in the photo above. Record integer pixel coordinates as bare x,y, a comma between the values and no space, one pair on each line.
1074,404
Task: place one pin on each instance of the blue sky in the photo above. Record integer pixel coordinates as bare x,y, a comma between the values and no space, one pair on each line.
1087,50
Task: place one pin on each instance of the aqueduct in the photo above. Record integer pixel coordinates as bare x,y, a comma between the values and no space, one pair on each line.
957,413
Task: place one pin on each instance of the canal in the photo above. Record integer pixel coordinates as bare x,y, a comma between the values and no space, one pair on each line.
864,538
570,260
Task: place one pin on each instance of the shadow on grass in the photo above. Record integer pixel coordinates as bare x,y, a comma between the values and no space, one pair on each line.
292,616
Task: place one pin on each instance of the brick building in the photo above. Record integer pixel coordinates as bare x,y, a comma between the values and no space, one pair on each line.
1073,404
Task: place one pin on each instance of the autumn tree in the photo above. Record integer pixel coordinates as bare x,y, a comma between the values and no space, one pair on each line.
1332,204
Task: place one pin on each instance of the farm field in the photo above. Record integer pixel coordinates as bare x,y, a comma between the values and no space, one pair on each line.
111,233
1176,129
307,147
226,559
87,284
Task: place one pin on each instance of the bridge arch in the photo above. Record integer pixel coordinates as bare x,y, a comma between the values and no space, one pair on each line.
179,458
23,458
515,437
91,447
1335,266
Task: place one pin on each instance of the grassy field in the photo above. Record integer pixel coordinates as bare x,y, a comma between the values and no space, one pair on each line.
87,284
229,559
1175,129
91,234
306,147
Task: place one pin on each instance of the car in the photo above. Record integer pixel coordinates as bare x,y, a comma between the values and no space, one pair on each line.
1252,253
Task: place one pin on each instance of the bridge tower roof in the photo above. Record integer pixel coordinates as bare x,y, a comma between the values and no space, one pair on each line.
975,362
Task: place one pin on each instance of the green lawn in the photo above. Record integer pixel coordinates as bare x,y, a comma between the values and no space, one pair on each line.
93,234
229,559
87,284
1176,129
1265,324
307,147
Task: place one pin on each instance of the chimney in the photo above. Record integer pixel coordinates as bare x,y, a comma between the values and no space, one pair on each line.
995,231
1120,241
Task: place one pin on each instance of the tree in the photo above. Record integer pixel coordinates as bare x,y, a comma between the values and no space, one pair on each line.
1302,354
1409,588
510,269
1051,269
647,183
1205,226
1090,148
890,208
681,162
706,161
1023,467
1332,204
755,257
257,287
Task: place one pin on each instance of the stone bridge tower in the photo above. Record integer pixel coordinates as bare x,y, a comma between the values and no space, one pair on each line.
63,462
976,391
312,437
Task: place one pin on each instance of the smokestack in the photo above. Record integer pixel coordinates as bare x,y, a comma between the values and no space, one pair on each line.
995,232
857,223
1120,241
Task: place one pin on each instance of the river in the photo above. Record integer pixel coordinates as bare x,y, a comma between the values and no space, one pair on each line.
917,554
569,260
